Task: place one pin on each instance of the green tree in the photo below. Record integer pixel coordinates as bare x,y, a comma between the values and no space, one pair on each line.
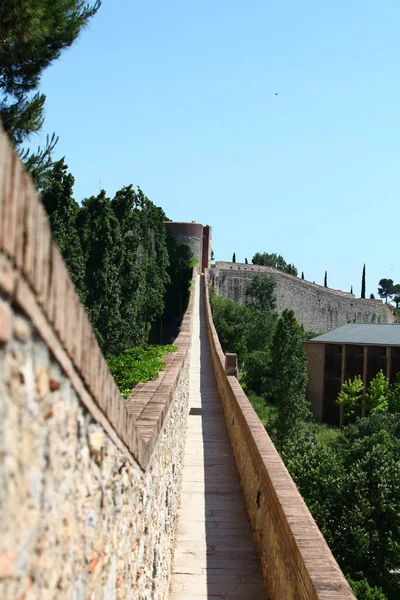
302,274
363,591
363,283
351,290
231,322
326,279
33,35
385,289
260,294
352,489
101,240
393,395
246,262
256,371
372,297
57,197
273,260
289,368
376,393
234,257
349,397
396,294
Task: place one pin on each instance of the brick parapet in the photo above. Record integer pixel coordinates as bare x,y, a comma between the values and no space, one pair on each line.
296,560
34,278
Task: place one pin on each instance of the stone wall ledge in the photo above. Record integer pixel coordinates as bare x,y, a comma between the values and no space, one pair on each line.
296,560
35,279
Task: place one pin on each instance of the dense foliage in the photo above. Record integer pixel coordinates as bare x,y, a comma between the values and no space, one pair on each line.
274,260
138,365
33,35
288,377
379,397
129,272
352,488
389,290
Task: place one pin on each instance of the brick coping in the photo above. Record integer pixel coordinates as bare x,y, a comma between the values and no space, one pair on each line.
317,573
34,278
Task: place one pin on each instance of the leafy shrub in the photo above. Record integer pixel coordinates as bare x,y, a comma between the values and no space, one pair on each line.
138,365
364,591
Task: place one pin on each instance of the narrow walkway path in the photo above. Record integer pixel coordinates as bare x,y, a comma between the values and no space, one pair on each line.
215,556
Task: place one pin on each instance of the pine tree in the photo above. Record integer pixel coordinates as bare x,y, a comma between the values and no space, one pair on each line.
363,283
326,279
33,35
234,257
289,368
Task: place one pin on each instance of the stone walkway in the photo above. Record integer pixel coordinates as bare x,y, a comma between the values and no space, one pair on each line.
215,556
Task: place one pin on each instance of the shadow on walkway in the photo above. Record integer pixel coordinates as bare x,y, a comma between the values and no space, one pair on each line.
215,556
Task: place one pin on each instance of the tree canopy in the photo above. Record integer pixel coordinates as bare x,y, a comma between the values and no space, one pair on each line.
121,259
274,260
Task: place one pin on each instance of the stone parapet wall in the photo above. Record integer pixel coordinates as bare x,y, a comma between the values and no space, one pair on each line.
89,482
317,308
296,561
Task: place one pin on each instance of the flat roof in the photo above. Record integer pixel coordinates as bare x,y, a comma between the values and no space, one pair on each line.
375,334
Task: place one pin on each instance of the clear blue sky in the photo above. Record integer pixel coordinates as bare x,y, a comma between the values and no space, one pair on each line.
179,98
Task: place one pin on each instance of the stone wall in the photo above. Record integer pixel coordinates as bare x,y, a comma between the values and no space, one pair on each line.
78,520
89,482
296,561
318,308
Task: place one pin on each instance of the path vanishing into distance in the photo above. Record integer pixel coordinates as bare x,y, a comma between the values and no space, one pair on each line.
215,556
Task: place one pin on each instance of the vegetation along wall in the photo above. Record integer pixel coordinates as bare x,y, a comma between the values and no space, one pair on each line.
89,482
317,308
296,560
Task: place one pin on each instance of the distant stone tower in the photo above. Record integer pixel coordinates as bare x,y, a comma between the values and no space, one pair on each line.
198,237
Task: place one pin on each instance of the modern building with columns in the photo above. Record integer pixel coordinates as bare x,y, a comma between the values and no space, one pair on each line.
355,349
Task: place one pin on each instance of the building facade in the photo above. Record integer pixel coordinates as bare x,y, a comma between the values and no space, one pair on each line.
355,349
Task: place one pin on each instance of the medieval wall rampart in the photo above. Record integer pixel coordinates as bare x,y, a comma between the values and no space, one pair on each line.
317,308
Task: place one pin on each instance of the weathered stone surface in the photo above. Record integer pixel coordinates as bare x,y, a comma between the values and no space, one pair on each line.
78,520
318,308
5,323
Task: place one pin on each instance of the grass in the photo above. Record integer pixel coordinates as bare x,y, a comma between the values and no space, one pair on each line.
326,435
138,365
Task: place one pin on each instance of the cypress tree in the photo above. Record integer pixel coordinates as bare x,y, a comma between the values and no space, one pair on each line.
302,274
326,279
234,257
351,290
246,262
289,366
363,283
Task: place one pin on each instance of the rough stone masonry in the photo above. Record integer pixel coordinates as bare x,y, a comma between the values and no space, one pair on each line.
78,520
317,308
